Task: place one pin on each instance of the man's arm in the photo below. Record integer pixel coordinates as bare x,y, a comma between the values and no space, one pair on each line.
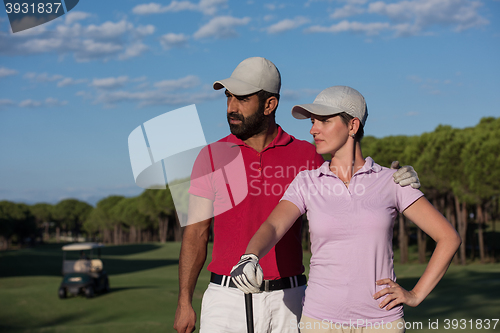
192,258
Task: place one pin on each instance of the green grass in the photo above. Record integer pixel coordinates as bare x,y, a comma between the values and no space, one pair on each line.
143,293
143,279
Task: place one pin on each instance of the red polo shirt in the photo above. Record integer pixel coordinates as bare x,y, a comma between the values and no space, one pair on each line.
268,175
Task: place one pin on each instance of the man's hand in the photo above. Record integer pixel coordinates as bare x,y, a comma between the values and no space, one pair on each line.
405,175
185,319
247,274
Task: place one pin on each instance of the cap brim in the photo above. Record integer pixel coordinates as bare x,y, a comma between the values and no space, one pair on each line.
236,87
304,111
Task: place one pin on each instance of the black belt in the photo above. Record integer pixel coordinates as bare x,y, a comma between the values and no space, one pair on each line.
267,285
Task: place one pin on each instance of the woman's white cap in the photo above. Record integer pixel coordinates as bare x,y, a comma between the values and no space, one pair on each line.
250,76
332,101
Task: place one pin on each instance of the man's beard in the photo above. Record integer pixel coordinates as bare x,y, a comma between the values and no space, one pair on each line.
249,126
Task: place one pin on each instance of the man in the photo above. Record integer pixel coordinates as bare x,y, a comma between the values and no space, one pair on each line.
272,158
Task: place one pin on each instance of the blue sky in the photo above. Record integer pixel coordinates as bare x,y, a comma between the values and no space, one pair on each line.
73,89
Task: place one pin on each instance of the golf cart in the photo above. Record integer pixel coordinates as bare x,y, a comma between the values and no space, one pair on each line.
82,273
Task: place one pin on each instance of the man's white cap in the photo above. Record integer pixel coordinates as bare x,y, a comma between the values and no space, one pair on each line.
250,76
332,101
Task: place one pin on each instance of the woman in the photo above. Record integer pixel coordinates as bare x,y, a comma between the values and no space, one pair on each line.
351,204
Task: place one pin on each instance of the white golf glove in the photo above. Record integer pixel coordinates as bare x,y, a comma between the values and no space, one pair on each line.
247,274
405,175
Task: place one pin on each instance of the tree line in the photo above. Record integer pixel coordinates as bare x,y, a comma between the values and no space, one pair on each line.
114,220
458,168
460,174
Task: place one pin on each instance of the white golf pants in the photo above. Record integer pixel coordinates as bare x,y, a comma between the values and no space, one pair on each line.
223,310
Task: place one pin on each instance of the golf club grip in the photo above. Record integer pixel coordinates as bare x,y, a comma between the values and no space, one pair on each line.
249,311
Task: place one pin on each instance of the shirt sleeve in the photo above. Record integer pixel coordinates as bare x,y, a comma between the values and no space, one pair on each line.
294,194
405,196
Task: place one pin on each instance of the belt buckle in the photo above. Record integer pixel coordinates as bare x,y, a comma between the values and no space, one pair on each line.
266,285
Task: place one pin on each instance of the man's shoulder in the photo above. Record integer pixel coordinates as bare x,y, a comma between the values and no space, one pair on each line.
303,144
225,139
231,138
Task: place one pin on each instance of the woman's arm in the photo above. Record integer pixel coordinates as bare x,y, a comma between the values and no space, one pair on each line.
247,274
427,218
273,229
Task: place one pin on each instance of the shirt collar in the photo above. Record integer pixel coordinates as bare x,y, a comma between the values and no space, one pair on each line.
369,167
281,139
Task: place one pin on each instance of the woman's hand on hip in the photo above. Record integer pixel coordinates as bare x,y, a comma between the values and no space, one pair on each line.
395,294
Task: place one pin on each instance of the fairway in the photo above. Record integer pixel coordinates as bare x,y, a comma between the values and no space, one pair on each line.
143,295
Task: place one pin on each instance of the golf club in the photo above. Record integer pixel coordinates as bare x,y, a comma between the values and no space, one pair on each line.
249,310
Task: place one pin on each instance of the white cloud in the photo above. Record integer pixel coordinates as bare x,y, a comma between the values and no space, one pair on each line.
28,103
7,72
273,6
356,2
110,82
149,8
210,7
54,102
155,97
6,102
221,27
156,8
49,102
139,79
346,11
166,92
85,94
423,14
406,17
42,77
41,45
73,17
45,77
66,82
358,27
108,40
146,30
187,82
268,18
70,82
108,30
133,50
91,50
207,7
171,40
287,24
291,95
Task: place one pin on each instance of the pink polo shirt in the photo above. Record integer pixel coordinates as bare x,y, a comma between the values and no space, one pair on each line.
246,193
351,240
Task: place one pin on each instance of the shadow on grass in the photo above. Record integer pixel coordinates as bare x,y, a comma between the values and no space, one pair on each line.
115,290
47,261
66,319
125,250
98,295
123,266
111,250
454,295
